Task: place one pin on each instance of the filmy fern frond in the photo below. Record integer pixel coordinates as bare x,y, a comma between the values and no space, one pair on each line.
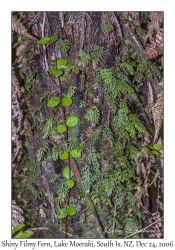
41,152
85,58
93,115
48,126
97,54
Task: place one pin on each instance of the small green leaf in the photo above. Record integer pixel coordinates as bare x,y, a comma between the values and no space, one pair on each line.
71,211
53,102
155,152
63,213
64,155
157,146
62,62
43,41
61,128
57,72
67,173
54,38
75,153
70,183
147,150
67,101
24,235
18,228
72,121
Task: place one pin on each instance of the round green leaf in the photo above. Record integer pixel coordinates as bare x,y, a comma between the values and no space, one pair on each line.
62,214
155,152
43,41
54,38
75,153
67,101
147,150
57,72
53,102
67,173
64,155
61,128
62,62
71,211
157,146
24,235
72,121
70,183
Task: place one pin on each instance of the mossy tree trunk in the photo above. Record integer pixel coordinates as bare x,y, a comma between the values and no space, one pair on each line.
113,82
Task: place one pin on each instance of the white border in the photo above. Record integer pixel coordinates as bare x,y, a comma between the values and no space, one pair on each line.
5,96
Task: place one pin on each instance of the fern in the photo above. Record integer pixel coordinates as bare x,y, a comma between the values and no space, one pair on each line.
44,95
114,87
107,133
73,143
97,54
93,115
30,81
48,126
56,152
86,178
90,92
41,153
85,58
108,27
64,46
93,159
71,91
94,136
83,104
128,65
62,193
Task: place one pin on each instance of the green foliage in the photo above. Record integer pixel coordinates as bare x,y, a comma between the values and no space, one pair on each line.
90,92
94,135
75,153
85,58
43,41
30,81
62,193
93,159
18,228
71,91
70,183
24,235
61,128
57,72
48,126
64,46
128,65
67,173
72,121
86,178
53,178
54,39
41,153
83,104
93,115
64,155
53,102
127,125
114,88
56,152
62,62
97,54
44,95
107,133
66,101
73,143
108,27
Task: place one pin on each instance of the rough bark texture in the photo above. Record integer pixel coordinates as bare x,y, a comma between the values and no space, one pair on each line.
117,171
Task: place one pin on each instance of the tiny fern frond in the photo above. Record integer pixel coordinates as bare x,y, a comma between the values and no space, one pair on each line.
93,115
